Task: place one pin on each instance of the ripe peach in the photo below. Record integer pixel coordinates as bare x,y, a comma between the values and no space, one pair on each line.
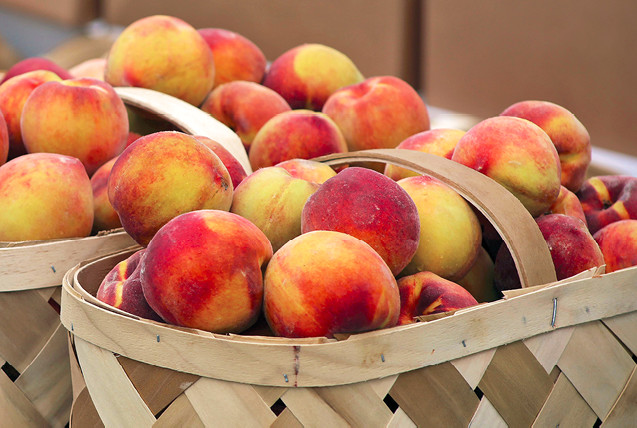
273,200
4,139
567,203
440,142
308,169
162,175
163,53
104,215
236,171
94,117
567,133
203,270
369,206
122,288
618,243
13,95
35,63
235,56
608,198
479,281
450,233
308,74
294,134
324,282
244,107
517,154
93,68
379,112
426,293
44,196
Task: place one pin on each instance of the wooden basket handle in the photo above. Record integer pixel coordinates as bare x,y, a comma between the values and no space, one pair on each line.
506,213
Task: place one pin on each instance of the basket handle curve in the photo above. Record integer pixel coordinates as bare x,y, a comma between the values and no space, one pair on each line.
506,213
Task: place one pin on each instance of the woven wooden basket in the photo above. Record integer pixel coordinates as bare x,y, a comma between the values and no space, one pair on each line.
552,353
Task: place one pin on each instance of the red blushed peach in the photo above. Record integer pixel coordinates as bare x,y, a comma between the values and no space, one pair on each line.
369,206
93,68
244,107
307,169
162,175
517,154
618,243
236,57
122,288
104,215
35,63
94,117
608,198
165,54
450,233
439,142
4,140
236,171
426,293
479,281
567,133
44,196
567,203
379,112
308,74
323,283
295,134
203,270
132,137
13,95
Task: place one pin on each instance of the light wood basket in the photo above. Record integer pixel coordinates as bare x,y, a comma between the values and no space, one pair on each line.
549,354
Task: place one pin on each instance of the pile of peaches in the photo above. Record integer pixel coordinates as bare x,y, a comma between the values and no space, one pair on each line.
295,248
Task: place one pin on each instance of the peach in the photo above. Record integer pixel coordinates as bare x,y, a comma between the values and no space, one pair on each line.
308,74
303,134
567,203
234,167
369,206
323,283
568,134
308,169
35,63
94,118
517,154
93,68
4,139
244,107
104,215
122,288
439,142
203,270
608,198
13,95
618,243
450,233
273,200
379,112
479,281
425,293
235,56
163,53
44,196
162,175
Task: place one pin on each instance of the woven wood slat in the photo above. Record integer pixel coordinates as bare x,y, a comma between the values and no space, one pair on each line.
624,412
83,412
287,420
548,347
16,409
487,416
565,407
307,407
623,326
357,403
472,367
179,413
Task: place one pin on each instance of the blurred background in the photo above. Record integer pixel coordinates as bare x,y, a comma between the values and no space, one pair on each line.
470,60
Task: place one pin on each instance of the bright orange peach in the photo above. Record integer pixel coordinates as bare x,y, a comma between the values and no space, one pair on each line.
93,68
618,243
104,215
35,63
236,171
308,169
4,140
608,198
567,203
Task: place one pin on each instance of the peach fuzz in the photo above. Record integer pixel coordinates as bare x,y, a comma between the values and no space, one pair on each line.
303,134
236,171
567,203
94,117
13,94
369,206
379,112
425,293
44,196
104,215
618,243
308,169
122,288
450,233
244,107
517,154
273,200
568,134
479,281
440,142
323,283
35,63
308,74
608,198
162,175
163,53
203,270
235,56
